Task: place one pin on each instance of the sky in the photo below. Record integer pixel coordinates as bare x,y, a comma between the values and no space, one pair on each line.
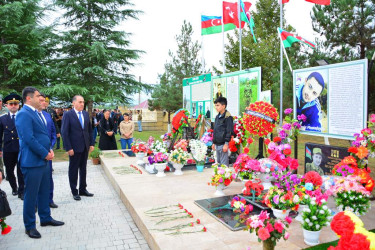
162,20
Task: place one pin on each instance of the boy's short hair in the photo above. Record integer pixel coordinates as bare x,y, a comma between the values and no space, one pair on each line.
222,101
318,77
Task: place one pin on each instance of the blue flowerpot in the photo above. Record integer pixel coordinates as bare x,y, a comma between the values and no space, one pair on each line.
200,168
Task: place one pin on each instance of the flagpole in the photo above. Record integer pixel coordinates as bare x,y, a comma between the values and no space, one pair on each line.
203,62
240,31
286,55
222,32
281,65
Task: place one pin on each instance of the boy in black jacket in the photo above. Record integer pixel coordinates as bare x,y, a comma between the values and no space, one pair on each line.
223,130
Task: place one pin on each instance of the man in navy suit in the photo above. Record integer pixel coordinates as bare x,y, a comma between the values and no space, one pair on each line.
52,136
78,142
11,144
35,152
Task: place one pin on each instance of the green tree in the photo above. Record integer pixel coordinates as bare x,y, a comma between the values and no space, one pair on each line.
348,28
182,64
266,52
24,46
94,57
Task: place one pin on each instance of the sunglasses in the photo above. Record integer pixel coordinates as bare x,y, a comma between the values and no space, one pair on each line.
12,103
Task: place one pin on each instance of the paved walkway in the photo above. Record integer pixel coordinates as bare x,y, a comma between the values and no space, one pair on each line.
99,222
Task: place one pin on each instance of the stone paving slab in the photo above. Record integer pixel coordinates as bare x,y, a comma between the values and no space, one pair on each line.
99,222
141,192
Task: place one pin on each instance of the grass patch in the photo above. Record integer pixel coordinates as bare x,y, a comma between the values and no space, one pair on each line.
324,246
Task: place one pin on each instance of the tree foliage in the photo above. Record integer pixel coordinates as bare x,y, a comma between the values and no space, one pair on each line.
94,57
24,46
182,64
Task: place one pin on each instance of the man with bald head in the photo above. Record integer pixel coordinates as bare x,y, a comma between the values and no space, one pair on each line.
76,131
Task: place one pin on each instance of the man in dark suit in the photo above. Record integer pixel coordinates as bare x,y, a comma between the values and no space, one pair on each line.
78,142
44,102
11,144
35,152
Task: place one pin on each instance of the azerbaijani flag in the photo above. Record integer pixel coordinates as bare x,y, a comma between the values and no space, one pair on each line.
308,153
213,25
289,38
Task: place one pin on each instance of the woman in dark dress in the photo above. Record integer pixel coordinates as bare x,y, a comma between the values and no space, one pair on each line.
107,137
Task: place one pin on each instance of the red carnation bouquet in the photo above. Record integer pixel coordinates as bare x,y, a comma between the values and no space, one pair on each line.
5,229
179,121
260,118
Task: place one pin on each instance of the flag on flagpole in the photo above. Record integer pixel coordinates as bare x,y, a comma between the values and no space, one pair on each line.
288,39
230,13
245,15
320,2
213,25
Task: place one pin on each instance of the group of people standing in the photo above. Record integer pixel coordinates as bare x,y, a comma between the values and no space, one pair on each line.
110,123
28,136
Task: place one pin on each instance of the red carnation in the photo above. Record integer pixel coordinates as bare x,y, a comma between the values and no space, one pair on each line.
6,230
277,139
198,221
250,140
353,150
267,141
314,178
204,229
227,182
246,150
287,151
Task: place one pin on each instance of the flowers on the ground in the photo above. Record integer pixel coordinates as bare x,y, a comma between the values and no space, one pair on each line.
239,205
316,215
179,156
222,175
5,229
253,188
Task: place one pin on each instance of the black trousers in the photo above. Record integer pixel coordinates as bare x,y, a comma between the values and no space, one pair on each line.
10,162
78,162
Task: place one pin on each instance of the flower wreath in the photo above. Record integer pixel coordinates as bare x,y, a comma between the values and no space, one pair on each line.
179,121
260,118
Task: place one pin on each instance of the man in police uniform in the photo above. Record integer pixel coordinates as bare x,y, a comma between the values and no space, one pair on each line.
9,135
317,160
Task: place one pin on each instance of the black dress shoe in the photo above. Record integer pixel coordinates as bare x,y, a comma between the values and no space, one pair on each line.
77,197
21,196
52,222
14,192
33,233
53,205
86,193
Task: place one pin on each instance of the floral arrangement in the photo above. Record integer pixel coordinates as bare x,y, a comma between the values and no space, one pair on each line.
208,137
238,129
181,144
351,195
280,199
268,229
363,147
179,156
244,165
139,147
253,189
150,141
312,180
280,152
290,128
198,150
222,175
159,157
349,166
198,125
286,180
233,146
254,119
158,146
166,137
239,205
5,229
350,229
316,215
179,121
